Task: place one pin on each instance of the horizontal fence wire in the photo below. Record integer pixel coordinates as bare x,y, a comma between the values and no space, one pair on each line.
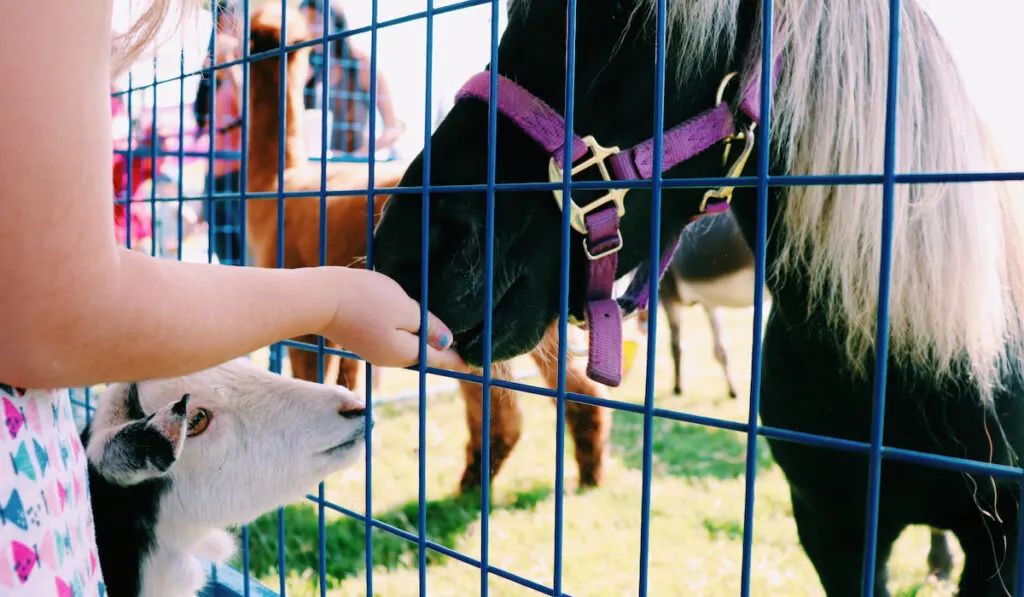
888,180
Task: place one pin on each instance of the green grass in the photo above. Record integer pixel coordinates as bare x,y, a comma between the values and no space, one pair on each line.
697,497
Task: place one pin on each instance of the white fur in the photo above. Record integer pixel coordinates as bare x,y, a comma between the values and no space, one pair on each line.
263,448
957,286
734,290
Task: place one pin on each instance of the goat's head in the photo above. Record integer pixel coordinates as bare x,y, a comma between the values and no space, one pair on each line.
227,444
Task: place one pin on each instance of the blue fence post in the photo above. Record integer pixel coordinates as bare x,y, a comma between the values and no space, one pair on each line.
653,275
371,164
421,514
763,163
563,304
885,276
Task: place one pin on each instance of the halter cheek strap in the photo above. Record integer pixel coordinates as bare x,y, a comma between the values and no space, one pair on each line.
599,221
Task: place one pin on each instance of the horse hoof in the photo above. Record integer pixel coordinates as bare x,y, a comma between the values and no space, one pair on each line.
677,391
470,481
589,483
732,393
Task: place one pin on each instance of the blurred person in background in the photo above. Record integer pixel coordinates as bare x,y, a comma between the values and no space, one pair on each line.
223,215
348,87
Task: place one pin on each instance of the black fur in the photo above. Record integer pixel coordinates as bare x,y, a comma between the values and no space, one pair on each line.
803,387
125,520
133,404
180,406
142,445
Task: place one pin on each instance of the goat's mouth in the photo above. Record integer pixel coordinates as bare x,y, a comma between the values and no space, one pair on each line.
355,440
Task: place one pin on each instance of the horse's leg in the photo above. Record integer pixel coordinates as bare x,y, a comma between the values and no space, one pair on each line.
714,317
674,316
589,425
303,362
350,375
836,548
671,300
506,426
940,559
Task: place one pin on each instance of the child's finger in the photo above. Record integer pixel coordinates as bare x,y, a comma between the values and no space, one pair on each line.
445,359
439,336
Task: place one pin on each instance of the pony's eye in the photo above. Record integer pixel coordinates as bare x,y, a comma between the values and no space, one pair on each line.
198,421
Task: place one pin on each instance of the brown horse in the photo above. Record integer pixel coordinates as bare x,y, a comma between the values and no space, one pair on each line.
346,245
346,215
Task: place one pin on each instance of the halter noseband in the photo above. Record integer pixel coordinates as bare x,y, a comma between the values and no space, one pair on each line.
598,221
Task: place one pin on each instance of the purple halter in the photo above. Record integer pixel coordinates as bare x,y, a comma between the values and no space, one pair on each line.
598,221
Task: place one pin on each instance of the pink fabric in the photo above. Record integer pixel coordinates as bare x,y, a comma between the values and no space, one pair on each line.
47,539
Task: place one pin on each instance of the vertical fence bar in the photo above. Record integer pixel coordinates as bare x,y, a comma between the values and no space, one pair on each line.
275,349
421,521
275,363
243,169
181,150
882,325
763,163
211,123
154,139
653,276
485,455
563,300
129,159
327,15
372,166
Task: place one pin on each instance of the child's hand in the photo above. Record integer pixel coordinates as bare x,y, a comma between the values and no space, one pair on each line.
378,321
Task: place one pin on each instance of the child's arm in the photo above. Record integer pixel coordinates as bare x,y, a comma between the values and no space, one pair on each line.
76,310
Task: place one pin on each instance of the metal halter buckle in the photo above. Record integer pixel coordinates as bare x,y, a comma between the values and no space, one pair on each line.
578,214
747,135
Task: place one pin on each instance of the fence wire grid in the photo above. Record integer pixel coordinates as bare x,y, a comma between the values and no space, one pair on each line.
175,193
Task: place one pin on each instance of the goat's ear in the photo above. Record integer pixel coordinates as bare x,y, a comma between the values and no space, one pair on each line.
146,447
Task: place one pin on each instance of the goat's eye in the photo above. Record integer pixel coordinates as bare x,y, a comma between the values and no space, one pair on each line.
198,421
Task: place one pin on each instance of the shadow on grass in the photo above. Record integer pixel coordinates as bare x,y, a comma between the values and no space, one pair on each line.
447,520
684,449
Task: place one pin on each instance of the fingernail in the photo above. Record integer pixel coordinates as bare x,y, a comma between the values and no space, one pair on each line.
445,341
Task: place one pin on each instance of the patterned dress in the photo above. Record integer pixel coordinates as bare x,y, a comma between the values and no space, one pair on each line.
47,541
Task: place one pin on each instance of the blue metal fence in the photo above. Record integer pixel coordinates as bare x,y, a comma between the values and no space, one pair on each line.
753,430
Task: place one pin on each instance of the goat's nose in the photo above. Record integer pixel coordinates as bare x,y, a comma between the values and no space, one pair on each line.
352,409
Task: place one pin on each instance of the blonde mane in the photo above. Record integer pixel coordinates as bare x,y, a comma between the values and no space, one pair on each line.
957,288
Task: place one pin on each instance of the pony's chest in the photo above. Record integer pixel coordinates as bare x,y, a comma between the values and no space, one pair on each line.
804,389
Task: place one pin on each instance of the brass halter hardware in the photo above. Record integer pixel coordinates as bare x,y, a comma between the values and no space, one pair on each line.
746,133
578,214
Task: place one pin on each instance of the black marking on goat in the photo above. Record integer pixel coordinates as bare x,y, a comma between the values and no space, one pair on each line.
133,404
140,444
125,521
179,407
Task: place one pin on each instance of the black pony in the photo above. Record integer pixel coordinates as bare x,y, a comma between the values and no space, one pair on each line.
957,287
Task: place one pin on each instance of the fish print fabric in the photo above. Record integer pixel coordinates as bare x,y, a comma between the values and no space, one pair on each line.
47,541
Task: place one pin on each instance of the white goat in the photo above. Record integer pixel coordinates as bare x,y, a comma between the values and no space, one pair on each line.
174,462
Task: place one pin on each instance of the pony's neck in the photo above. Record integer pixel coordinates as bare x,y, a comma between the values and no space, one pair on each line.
265,115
